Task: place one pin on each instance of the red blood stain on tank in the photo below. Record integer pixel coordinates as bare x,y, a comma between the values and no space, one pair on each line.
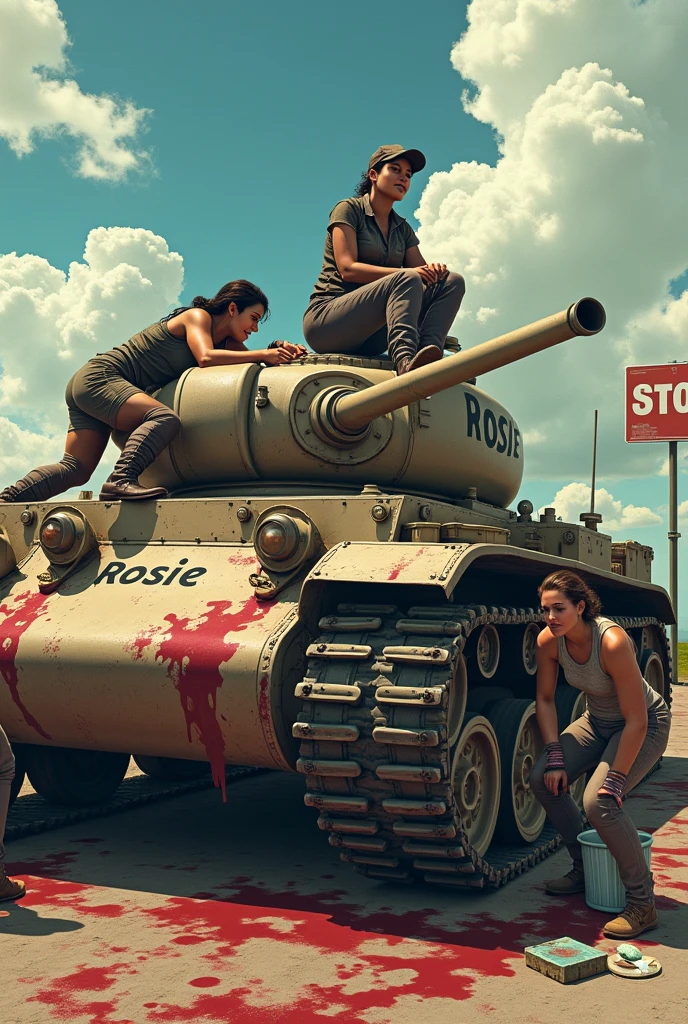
402,564
240,559
194,650
204,982
27,608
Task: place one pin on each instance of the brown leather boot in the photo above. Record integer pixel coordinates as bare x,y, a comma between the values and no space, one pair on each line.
633,920
129,490
9,889
156,431
572,882
428,354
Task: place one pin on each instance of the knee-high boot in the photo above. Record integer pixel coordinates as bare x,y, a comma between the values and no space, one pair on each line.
159,428
47,481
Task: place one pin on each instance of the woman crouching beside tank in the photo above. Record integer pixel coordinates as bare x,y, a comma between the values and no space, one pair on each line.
364,302
619,738
109,392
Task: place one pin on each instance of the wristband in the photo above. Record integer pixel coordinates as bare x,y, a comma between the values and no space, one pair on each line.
555,758
614,784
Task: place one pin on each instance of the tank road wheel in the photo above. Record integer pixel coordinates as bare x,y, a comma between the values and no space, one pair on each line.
487,651
518,652
176,768
62,775
570,704
475,775
652,670
529,647
521,816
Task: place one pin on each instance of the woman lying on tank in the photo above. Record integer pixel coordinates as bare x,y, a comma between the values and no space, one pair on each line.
110,392
618,739
375,290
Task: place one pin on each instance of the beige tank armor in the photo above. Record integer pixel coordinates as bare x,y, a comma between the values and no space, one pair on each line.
337,587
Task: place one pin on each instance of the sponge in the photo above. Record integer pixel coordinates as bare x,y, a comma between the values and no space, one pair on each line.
629,952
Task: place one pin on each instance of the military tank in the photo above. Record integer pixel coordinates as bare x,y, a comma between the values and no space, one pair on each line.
336,586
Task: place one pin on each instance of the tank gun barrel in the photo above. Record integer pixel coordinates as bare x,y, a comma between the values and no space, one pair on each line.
350,413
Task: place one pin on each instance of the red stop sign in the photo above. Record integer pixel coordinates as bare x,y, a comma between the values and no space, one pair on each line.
657,402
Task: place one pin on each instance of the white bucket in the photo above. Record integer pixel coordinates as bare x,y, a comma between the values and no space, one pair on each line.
604,889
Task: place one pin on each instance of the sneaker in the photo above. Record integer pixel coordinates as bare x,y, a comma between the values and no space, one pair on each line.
9,889
572,882
632,921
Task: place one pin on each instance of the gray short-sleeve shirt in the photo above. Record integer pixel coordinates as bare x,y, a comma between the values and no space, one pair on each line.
373,248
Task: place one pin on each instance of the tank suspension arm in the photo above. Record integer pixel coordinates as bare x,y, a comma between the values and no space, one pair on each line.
350,413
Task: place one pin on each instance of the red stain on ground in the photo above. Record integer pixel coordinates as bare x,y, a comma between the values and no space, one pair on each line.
195,649
55,864
26,609
437,954
63,995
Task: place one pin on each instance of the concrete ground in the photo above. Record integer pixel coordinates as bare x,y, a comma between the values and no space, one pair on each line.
191,911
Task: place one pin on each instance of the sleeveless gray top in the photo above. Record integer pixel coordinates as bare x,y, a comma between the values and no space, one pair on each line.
593,680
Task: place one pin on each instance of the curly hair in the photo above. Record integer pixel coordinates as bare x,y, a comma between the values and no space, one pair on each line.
365,185
240,292
575,589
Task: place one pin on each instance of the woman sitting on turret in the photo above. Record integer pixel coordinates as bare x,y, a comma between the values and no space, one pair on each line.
364,302
110,392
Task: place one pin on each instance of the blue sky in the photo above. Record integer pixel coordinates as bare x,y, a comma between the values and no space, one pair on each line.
262,116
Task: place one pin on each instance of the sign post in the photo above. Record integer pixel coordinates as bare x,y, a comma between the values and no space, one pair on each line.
657,410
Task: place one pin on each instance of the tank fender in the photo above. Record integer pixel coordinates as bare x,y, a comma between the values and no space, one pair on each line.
469,573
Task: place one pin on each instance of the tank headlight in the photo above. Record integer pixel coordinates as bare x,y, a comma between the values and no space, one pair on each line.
58,533
284,538
277,538
67,539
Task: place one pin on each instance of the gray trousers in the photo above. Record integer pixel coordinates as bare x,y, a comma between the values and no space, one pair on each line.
398,313
590,744
6,776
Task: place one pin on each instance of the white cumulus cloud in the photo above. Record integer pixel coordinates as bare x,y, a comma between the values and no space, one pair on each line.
38,99
587,197
51,323
683,512
574,498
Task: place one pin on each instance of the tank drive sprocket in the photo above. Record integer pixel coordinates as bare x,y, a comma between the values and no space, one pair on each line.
404,790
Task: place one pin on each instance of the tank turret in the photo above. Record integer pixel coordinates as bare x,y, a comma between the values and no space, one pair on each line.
347,421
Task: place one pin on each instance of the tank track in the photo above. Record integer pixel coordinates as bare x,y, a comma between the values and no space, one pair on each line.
31,815
377,766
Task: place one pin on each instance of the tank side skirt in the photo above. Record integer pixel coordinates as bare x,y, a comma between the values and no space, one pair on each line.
397,829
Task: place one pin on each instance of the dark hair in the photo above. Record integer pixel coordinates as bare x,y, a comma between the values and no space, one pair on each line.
365,184
241,292
575,589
